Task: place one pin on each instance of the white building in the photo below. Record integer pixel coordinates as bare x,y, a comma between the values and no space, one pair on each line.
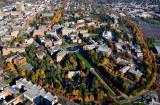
135,72
33,92
72,73
126,68
29,41
107,34
67,31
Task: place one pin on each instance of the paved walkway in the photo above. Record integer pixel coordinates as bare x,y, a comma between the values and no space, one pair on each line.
101,80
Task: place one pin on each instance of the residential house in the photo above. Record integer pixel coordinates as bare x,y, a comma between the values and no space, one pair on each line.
44,28
91,24
56,27
14,34
10,59
18,27
80,24
84,33
6,38
74,38
107,34
29,41
39,33
47,43
119,47
6,51
72,73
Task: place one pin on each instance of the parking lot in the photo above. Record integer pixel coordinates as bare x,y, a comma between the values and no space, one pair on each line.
150,30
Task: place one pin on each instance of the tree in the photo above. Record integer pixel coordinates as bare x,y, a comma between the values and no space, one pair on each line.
95,84
75,65
75,92
11,65
149,71
34,78
82,87
86,99
23,72
70,89
125,87
40,82
136,78
91,98
57,85
134,93
143,80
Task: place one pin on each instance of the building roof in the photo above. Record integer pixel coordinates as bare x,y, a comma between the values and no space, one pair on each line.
136,72
12,90
31,93
53,49
38,54
50,97
62,52
72,73
3,84
104,49
157,46
48,14
27,66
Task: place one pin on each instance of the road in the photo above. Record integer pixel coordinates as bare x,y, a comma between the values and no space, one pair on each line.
92,70
140,95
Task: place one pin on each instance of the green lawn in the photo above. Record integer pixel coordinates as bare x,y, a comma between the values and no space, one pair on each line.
87,64
133,104
153,21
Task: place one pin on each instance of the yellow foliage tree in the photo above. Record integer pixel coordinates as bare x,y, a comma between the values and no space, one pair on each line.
86,99
75,92
11,65
23,72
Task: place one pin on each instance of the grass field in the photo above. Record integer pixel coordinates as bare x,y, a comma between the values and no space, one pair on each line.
87,64
133,104
153,21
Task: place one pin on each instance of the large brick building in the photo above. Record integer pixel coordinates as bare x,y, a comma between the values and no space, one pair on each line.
19,60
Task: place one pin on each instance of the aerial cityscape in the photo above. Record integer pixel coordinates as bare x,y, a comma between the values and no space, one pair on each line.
79,52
